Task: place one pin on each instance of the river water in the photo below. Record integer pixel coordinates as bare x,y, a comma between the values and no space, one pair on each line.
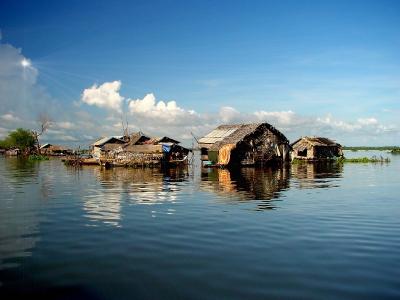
309,231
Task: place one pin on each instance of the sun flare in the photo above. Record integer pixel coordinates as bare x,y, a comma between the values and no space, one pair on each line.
25,63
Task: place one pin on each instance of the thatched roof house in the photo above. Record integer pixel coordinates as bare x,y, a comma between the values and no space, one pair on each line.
244,144
97,146
315,148
50,149
139,149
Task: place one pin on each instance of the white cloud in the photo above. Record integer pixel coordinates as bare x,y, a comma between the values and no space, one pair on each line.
64,125
67,138
367,121
168,112
9,117
280,117
229,114
148,105
104,96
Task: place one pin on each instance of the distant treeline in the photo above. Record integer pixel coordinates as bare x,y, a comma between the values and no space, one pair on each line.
381,148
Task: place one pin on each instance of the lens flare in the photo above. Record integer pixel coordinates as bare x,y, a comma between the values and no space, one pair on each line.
25,63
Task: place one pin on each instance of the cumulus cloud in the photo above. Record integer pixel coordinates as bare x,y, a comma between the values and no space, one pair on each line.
281,117
362,126
228,114
158,117
168,112
367,121
104,96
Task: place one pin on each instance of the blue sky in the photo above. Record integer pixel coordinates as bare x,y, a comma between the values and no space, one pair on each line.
308,67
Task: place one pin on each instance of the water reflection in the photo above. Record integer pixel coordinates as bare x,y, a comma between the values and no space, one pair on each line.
135,186
316,175
245,184
19,220
19,171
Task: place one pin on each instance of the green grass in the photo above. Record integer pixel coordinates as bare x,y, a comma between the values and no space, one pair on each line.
37,157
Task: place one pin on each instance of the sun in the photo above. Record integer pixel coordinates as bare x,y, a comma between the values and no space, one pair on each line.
25,63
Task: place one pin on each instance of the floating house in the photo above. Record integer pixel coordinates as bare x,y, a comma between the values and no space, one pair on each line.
96,147
141,150
315,148
55,150
244,145
13,152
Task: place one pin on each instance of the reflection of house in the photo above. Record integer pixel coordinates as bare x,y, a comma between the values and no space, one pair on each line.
315,148
50,149
244,144
144,186
310,175
246,184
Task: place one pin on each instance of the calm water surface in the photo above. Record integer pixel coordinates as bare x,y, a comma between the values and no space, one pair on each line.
304,232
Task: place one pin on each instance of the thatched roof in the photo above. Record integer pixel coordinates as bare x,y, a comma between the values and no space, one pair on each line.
233,134
109,139
136,137
315,141
54,148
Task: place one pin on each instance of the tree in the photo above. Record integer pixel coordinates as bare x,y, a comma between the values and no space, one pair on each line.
20,138
44,123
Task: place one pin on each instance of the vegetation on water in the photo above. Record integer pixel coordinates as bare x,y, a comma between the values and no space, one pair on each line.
37,157
379,148
373,159
395,151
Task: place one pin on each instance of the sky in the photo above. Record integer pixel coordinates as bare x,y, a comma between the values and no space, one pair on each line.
181,68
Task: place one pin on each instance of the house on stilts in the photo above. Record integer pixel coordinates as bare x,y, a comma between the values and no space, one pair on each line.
244,145
315,148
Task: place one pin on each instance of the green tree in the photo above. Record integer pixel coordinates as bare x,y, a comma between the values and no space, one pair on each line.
20,138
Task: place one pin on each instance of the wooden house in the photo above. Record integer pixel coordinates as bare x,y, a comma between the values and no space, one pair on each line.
55,150
96,147
141,150
245,145
315,148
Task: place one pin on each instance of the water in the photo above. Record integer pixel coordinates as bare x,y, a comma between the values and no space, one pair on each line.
305,232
